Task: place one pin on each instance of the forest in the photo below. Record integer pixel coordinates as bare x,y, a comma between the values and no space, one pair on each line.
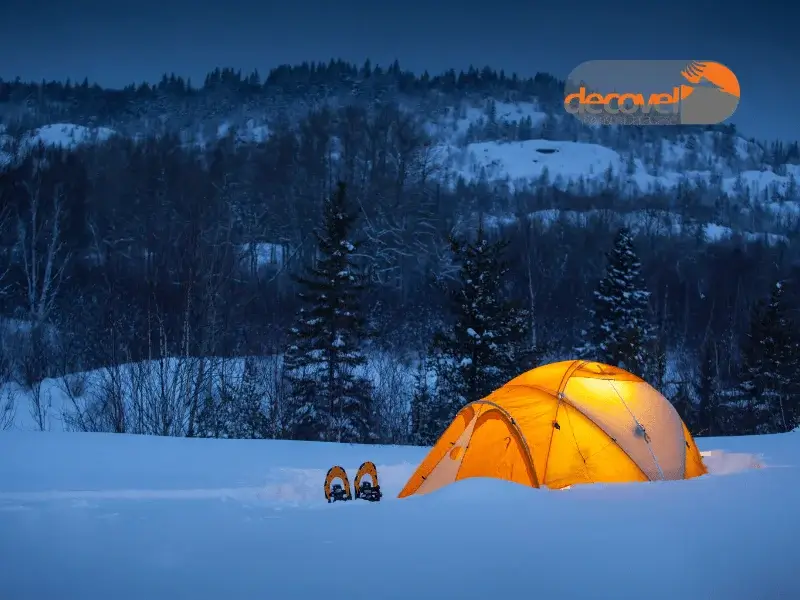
330,282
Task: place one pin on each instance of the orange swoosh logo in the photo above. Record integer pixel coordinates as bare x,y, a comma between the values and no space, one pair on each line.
717,74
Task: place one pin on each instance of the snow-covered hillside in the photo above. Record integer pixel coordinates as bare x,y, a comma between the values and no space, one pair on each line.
66,135
55,135
562,164
95,516
455,121
529,162
581,167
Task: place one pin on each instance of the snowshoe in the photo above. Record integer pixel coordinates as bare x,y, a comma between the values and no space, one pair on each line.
337,492
368,490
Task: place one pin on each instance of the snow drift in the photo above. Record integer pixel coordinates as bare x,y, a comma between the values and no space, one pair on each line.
122,516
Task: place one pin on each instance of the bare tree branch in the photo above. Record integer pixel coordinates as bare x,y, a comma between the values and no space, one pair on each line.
44,259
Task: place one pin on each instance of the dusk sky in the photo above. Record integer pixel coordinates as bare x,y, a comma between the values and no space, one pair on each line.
115,44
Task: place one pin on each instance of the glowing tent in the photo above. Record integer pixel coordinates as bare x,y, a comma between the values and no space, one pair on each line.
562,424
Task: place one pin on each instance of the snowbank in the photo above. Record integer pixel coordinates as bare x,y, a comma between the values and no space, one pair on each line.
121,516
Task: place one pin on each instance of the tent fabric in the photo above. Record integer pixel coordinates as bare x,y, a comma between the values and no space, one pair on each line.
563,424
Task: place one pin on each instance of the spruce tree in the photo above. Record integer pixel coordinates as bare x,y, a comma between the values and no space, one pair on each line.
708,417
212,418
235,409
525,129
681,399
769,398
252,421
329,398
487,344
426,425
620,332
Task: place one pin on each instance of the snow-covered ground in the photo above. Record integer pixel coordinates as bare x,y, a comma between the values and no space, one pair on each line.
527,160
561,163
101,516
66,135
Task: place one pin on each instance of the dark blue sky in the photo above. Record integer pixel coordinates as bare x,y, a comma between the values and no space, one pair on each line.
115,43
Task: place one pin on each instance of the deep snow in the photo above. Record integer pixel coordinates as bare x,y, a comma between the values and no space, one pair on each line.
114,516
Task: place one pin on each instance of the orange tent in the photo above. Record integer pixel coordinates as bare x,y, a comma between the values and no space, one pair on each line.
562,424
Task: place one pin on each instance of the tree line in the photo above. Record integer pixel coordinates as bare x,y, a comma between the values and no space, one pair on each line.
488,340
175,272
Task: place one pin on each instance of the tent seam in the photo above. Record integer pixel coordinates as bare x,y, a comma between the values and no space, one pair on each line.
520,433
639,425
578,448
469,439
567,401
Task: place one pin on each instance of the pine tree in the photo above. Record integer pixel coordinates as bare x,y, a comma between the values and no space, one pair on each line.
525,129
620,332
609,177
330,400
251,419
708,419
656,366
426,418
211,418
682,401
547,127
768,386
630,164
491,129
235,410
791,191
487,344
